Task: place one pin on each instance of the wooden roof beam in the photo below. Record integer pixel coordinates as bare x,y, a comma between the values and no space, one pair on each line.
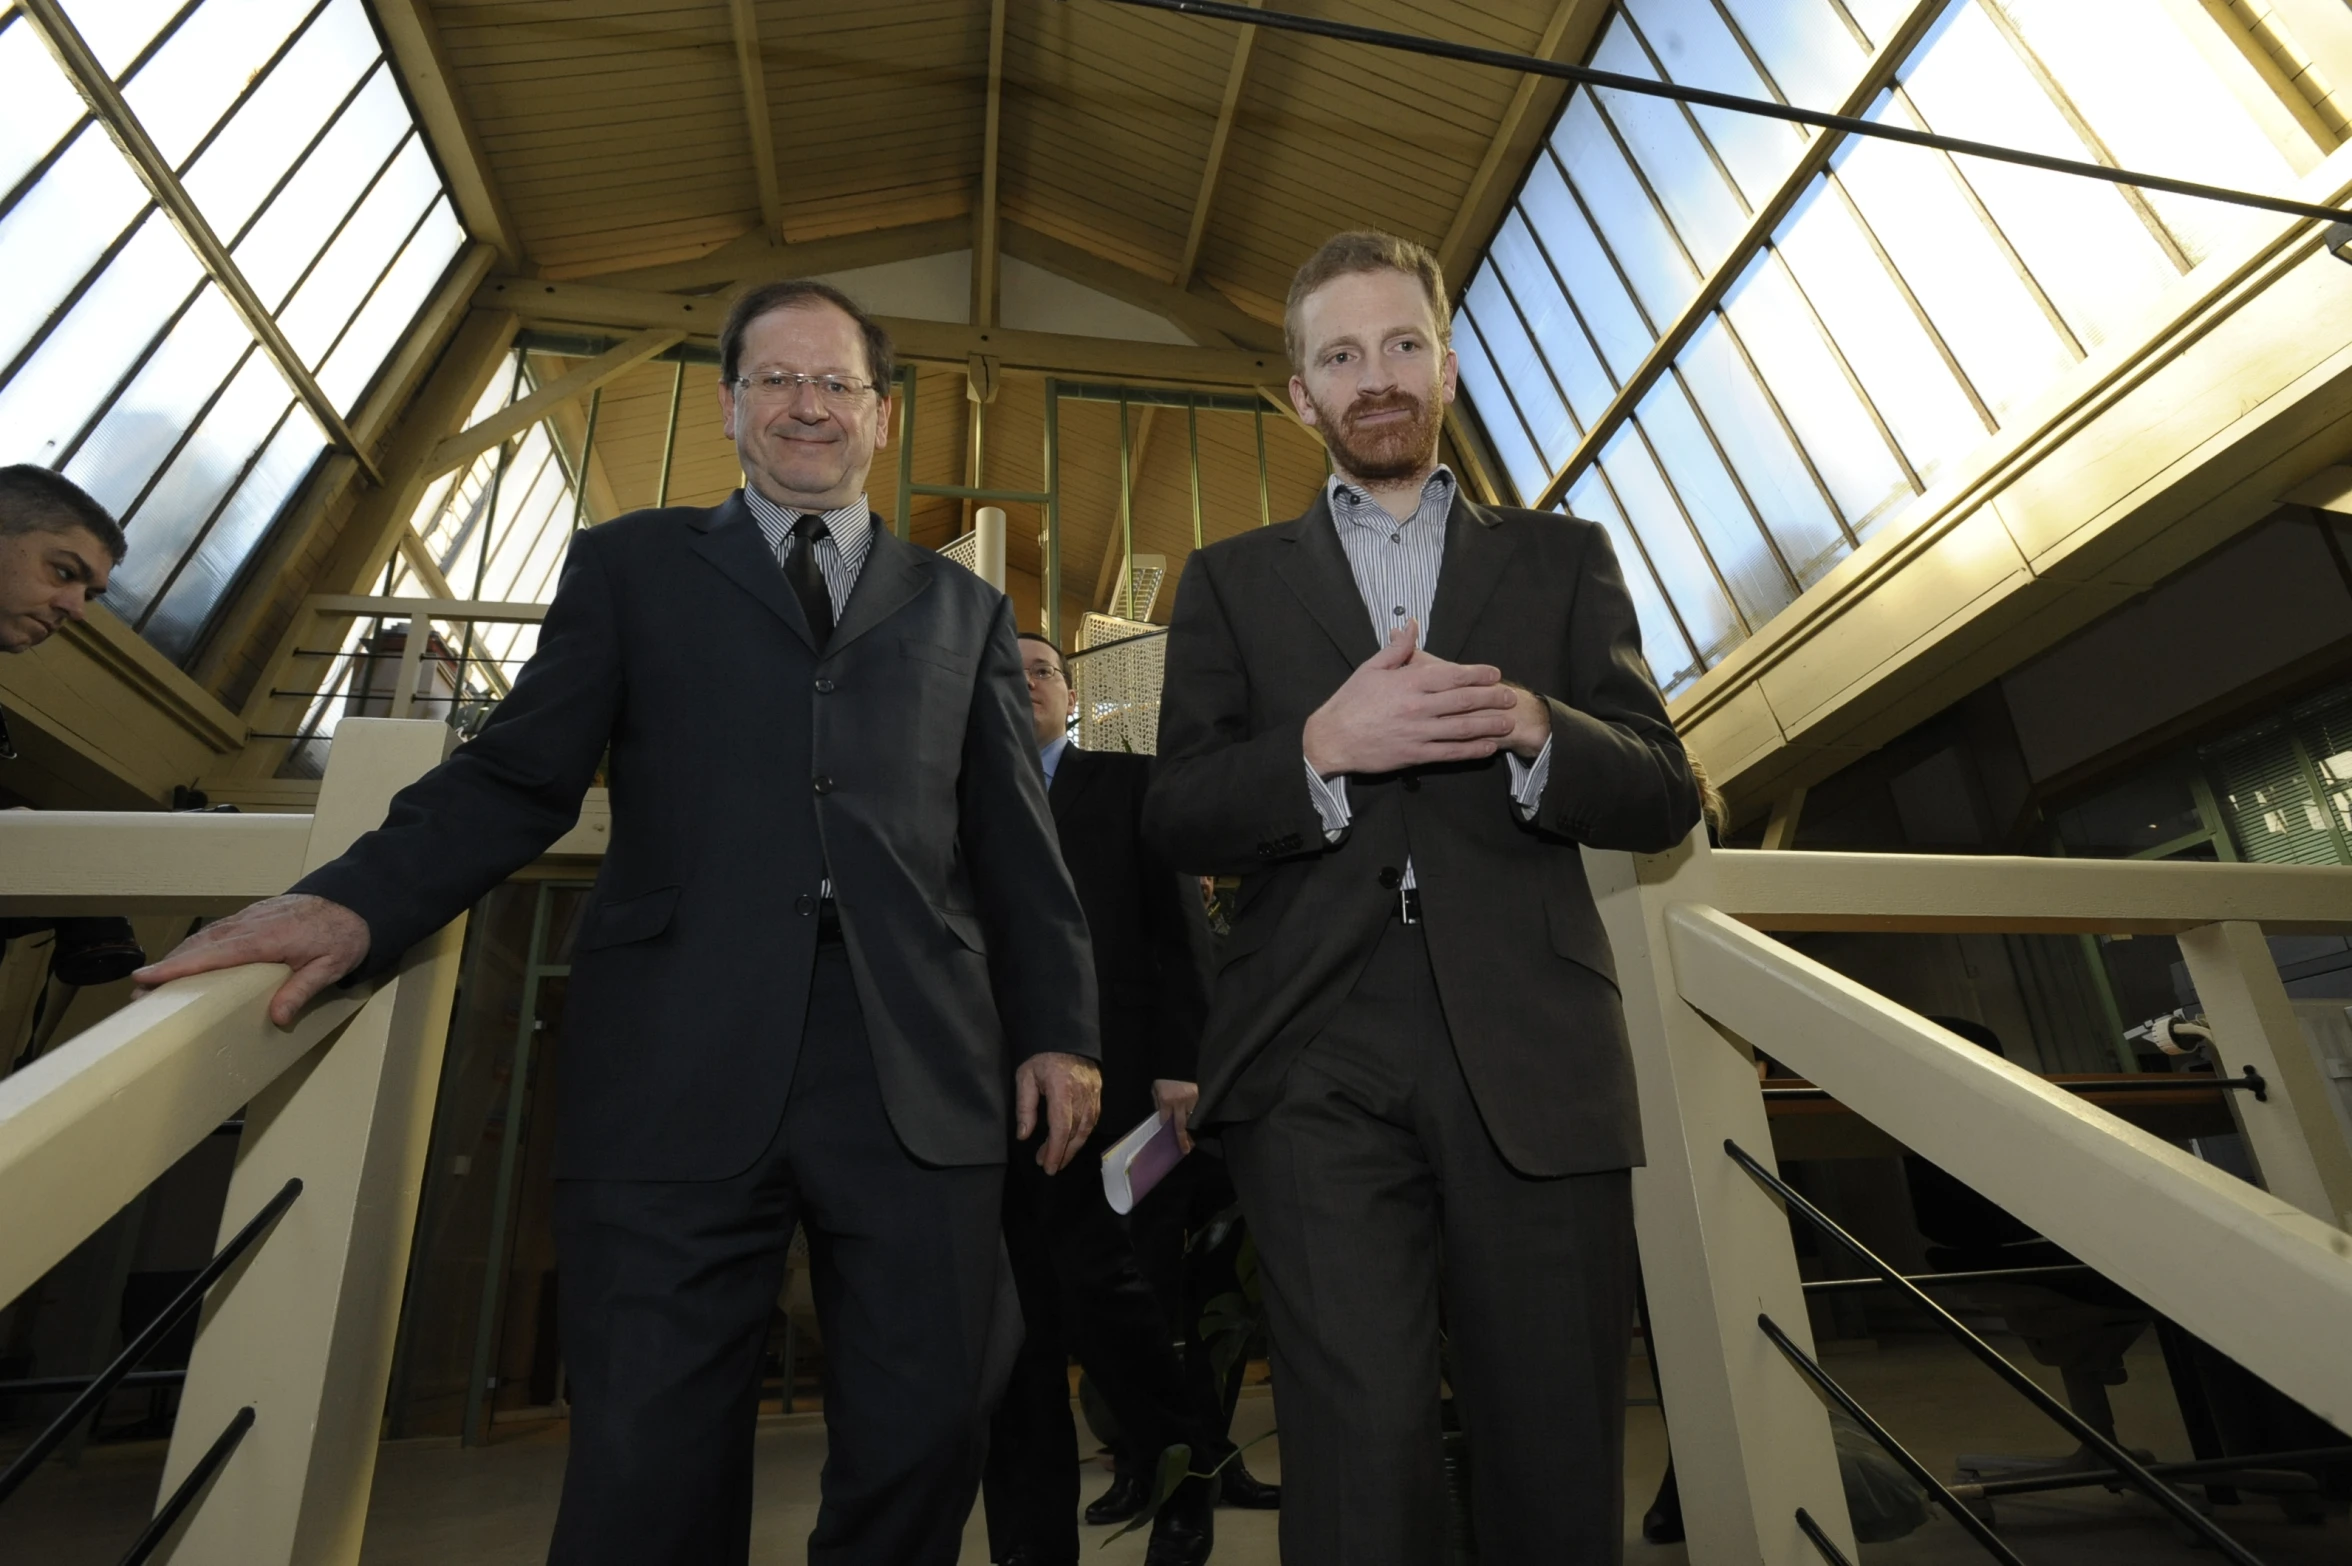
752,67
417,53
1516,138
1209,318
987,271
538,301
751,259
515,417
1235,75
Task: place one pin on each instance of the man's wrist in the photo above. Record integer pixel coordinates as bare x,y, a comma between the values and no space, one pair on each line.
1316,743
1531,724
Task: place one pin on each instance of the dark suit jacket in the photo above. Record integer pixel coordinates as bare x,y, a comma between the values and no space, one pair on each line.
743,767
1267,626
1145,969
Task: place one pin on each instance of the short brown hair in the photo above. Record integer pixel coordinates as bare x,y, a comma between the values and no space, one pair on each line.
1364,250
36,500
767,298
1061,659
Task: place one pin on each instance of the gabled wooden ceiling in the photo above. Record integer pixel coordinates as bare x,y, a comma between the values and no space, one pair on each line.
1178,163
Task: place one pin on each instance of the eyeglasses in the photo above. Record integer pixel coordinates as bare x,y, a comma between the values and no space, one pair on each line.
1039,673
783,386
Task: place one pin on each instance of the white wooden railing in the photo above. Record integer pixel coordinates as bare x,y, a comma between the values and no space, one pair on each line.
300,1330
2265,1275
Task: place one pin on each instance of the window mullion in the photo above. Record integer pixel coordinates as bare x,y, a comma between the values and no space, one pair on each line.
1559,390
1787,429
1927,323
195,544
1641,547
1773,257
1624,279
1755,512
1471,320
1690,118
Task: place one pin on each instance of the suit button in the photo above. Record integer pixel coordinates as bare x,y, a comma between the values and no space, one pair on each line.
1391,877
821,783
805,905
824,687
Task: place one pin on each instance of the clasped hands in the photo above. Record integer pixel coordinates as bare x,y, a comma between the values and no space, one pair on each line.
1405,707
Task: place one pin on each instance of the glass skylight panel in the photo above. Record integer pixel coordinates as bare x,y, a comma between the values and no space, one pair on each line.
1699,51
1515,359
1958,271
2151,99
1566,349
1812,55
120,362
42,106
1656,517
1663,644
1628,219
1769,467
1609,312
1521,461
1890,352
2092,255
1717,509
1689,185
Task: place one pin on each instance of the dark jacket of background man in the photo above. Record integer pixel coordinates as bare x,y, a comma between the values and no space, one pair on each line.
1151,994
1267,625
738,776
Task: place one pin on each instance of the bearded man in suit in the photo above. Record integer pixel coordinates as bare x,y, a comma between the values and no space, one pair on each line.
1397,718
832,960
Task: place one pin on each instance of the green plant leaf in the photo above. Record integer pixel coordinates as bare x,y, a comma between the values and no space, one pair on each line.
1175,1465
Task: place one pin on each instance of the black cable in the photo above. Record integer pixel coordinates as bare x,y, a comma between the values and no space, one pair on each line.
161,1523
1442,49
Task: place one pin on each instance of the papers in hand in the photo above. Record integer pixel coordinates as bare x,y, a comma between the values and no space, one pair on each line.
1140,1160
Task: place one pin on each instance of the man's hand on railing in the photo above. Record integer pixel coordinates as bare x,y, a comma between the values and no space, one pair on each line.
321,941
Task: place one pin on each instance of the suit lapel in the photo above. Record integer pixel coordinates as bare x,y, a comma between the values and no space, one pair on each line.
732,541
1316,569
894,573
1478,550
1070,780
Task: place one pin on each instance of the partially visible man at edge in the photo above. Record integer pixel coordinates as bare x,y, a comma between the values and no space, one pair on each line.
57,549
832,955
1396,719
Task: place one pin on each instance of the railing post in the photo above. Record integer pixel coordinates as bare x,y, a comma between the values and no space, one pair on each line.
2291,1131
1751,1442
302,1331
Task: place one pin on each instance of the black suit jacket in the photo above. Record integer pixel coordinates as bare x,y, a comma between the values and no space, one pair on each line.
1267,626
1145,969
743,768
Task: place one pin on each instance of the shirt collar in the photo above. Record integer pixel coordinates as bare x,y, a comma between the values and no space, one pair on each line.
850,527
1049,756
1348,502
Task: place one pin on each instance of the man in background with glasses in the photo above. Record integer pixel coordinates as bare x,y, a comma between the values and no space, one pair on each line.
1083,1291
832,955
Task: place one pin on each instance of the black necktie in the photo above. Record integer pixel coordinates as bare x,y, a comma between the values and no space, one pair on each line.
808,583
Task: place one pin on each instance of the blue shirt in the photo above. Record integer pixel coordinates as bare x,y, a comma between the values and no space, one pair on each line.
1050,757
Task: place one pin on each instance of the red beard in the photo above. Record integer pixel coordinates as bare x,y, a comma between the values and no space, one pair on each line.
1385,452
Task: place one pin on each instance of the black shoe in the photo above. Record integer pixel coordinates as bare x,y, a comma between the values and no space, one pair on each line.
1238,1487
1186,1529
1122,1500
1662,1524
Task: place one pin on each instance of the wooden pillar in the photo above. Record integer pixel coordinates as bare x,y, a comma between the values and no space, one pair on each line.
1751,1441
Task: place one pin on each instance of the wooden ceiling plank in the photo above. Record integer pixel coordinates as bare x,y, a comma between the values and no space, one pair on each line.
1211,321
417,52
987,278
752,259
1236,76
752,67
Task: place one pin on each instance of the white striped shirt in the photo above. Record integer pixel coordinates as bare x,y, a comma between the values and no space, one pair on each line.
841,548
1396,566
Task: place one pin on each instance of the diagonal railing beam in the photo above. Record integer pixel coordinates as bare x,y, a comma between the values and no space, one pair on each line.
515,417
111,110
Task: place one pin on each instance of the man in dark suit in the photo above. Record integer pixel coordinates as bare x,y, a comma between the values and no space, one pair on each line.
832,956
1415,1052
1083,1292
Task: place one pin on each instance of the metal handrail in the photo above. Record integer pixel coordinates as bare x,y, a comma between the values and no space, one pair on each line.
140,1347
2125,1465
